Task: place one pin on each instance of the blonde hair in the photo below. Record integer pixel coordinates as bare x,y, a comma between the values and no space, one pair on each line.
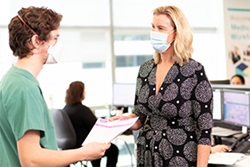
183,48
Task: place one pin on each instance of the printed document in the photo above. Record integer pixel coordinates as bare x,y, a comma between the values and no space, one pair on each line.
225,158
105,131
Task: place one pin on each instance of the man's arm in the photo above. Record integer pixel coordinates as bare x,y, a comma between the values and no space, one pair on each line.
32,154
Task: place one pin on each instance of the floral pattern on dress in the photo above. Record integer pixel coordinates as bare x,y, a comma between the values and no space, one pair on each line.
175,120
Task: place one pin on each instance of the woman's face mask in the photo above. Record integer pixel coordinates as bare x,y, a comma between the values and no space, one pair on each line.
159,41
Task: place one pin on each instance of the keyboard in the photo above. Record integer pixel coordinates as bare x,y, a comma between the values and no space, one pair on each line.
224,132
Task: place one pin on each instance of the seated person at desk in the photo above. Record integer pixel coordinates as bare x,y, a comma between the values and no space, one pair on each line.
237,80
83,119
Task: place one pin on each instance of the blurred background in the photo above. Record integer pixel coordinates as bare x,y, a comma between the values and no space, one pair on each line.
105,42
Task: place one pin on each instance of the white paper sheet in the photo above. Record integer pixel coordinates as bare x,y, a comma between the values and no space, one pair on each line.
105,131
225,158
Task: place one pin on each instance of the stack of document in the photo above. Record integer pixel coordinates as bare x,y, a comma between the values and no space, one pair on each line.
105,131
226,158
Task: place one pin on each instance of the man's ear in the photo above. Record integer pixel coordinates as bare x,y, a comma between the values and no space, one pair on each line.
35,41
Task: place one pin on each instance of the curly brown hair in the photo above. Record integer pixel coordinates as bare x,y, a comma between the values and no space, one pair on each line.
74,94
40,20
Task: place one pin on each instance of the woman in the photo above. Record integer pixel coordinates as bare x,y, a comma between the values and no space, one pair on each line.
83,120
173,98
237,80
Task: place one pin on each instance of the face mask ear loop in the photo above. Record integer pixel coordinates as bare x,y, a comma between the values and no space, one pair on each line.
27,25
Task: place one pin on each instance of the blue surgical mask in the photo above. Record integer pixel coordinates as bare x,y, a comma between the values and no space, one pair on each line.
159,41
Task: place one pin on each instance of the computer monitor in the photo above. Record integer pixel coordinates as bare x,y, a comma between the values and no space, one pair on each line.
217,105
236,107
123,94
226,81
232,87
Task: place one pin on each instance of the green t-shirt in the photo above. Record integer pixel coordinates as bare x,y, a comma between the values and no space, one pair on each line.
22,108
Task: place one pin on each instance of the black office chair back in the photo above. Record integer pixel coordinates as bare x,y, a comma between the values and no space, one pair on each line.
65,133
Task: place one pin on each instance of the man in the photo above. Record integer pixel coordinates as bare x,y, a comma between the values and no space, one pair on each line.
27,132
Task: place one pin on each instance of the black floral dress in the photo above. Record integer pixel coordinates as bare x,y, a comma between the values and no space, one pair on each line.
176,119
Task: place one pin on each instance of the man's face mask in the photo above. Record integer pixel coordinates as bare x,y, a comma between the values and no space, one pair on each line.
54,53
159,41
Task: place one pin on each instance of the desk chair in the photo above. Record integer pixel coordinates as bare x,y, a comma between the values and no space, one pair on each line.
65,133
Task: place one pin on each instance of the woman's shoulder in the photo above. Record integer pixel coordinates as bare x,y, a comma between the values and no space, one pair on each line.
148,64
78,105
193,64
84,107
190,67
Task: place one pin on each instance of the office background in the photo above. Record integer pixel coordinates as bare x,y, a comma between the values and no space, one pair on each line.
105,41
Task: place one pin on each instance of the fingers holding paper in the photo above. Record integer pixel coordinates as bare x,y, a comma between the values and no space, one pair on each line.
119,117
94,150
137,125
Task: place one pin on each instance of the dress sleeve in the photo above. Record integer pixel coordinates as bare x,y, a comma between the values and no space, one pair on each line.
138,107
202,101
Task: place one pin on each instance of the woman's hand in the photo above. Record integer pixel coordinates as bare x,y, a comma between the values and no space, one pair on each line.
120,116
219,148
137,124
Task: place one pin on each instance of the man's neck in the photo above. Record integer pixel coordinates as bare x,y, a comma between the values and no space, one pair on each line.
30,65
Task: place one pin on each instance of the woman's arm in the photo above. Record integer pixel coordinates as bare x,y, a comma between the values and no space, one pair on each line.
203,155
203,102
32,154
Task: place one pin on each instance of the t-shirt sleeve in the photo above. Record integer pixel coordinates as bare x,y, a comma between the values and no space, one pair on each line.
26,112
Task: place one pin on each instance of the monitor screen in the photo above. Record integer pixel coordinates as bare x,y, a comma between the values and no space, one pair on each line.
236,109
123,94
217,109
226,81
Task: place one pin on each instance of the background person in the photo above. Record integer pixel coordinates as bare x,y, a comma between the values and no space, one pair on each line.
173,98
26,127
237,79
83,120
